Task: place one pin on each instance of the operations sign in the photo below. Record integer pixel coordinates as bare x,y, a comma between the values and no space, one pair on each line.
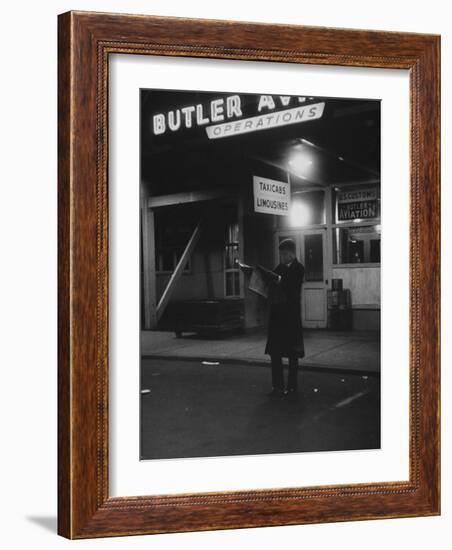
271,196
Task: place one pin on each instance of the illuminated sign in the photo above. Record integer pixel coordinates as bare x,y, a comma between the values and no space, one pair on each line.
197,115
225,116
263,122
357,204
271,196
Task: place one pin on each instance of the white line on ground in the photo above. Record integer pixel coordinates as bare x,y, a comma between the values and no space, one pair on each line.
349,399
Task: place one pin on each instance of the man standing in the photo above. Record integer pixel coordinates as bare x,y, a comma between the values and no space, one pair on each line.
285,332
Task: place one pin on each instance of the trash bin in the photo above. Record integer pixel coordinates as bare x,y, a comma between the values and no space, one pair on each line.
339,309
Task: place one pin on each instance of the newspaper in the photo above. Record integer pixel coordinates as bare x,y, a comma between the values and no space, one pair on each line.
261,279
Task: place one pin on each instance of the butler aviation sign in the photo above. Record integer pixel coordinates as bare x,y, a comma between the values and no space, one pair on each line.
358,204
230,115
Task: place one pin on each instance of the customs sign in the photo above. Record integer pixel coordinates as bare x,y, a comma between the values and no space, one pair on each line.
357,204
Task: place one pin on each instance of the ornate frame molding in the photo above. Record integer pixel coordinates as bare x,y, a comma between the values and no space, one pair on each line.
85,42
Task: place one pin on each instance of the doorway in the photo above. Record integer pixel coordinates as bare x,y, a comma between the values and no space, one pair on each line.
311,251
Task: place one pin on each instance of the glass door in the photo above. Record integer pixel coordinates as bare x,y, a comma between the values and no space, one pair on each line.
311,252
314,295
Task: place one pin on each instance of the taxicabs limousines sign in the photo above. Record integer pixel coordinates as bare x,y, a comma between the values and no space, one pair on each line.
271,196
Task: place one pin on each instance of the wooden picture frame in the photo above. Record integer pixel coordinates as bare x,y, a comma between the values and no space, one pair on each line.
85,42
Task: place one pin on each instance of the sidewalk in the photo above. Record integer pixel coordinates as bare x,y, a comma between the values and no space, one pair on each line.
348,351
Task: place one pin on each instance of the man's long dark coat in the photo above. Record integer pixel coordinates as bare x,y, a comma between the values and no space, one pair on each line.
285,332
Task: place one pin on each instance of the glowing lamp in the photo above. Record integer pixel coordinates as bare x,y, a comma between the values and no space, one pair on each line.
300,214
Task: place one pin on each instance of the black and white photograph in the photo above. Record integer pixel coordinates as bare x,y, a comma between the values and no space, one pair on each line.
260,274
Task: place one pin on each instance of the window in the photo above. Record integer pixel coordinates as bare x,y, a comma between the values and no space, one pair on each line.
168,257
355,245
172,238
356,215
313,257
231,252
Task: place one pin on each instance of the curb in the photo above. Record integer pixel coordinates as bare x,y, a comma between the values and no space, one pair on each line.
311,367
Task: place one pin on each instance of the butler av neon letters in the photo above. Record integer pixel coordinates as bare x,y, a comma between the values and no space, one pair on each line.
226,115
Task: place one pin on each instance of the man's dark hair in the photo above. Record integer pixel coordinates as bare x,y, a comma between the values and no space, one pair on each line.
287,244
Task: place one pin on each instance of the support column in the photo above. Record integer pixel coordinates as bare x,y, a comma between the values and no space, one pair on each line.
329,233
149,301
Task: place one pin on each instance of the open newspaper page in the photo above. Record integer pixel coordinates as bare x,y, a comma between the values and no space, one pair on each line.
260,278
258,284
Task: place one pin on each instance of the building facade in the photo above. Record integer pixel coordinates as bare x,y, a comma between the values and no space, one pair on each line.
209,200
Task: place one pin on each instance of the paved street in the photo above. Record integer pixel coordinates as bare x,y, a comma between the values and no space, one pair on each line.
194,410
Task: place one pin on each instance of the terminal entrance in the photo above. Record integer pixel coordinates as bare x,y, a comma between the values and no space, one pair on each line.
311,251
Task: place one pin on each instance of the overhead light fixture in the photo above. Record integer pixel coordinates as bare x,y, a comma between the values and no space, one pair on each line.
300,162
